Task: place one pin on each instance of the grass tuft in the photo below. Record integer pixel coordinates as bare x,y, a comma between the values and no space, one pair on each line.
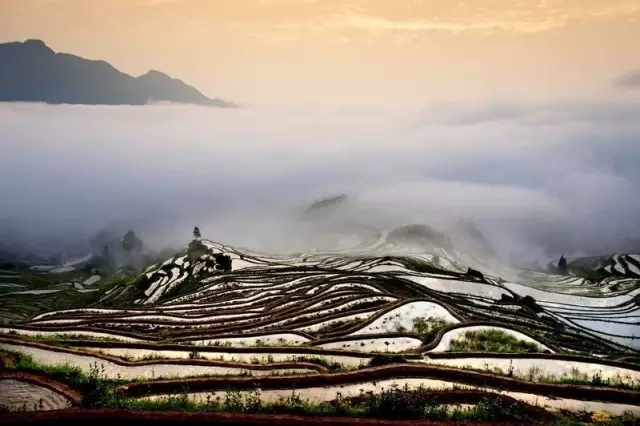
491,341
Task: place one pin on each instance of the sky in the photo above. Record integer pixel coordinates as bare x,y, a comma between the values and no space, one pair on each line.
523,116
349,52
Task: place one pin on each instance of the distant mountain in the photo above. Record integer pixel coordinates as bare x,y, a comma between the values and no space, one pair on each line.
326,204
33,72
600,267
419,235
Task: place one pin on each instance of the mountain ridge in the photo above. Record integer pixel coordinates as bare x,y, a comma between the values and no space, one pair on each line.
33,72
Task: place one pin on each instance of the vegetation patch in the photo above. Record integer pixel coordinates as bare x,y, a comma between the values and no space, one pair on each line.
385,359
96,390
424,326
393,403
575,377
491,341
288,305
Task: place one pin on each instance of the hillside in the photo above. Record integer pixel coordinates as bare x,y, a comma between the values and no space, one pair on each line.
32,72
601,268
382,329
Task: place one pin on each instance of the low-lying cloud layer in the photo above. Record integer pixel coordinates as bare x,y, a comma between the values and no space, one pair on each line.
552,178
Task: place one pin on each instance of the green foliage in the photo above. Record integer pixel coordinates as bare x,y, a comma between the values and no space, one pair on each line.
95,388
424,326
333,367
576,377
64,373
491,341
385,359
391,403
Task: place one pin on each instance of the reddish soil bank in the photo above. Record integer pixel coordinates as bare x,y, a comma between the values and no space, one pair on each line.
154,418
398,371
42,380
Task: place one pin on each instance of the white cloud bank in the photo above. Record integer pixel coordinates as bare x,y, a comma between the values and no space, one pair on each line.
560,176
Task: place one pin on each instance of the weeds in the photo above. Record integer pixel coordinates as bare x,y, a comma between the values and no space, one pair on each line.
491,341
391,403
94,386
381,359
333,367
576,377
424,326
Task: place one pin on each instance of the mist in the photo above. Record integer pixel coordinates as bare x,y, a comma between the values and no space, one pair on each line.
537,179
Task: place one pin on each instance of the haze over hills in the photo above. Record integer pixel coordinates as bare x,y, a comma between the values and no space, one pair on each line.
32,72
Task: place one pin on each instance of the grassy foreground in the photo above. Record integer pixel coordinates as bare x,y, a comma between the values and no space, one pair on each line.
392,403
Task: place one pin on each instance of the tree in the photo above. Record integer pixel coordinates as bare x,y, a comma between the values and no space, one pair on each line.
130,242
196,233
223,262
562,265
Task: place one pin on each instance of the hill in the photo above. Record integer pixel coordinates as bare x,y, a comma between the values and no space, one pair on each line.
394,327
600,267
327,204
32,72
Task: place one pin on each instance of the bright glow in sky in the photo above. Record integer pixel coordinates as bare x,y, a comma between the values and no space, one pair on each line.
349,51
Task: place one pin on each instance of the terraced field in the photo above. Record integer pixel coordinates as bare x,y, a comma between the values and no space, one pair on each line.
617,265
376,330
24,293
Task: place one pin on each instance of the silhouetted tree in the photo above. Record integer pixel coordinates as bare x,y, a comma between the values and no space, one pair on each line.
130,242
562,265
223,262
196,233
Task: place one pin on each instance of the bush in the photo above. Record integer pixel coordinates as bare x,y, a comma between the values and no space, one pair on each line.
383,359
491,341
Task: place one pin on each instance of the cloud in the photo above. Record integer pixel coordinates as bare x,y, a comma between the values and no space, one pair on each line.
371,23
628,79
406,17
557,177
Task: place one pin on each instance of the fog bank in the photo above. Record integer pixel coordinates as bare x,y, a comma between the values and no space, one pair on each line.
538,179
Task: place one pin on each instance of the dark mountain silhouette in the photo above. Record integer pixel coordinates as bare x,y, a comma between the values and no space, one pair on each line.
327,203
33,72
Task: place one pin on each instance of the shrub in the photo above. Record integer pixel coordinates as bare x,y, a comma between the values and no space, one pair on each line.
491,341
384,359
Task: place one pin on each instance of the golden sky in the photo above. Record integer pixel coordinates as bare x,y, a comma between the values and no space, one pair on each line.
348,51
